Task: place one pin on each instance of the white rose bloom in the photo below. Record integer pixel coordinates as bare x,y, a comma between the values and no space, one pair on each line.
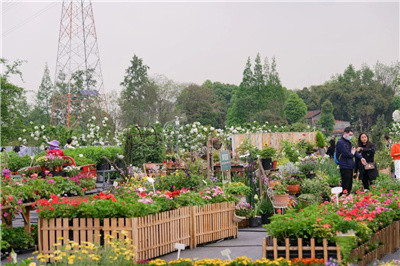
19,139
80,155
37,133
211,128
24,130
396,116
106,118
42,127
36,138
36,127
32,135
93,117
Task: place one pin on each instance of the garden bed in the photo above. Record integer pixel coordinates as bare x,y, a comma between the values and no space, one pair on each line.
387,239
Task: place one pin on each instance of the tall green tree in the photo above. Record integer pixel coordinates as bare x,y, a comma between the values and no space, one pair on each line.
14,107
295,109
45,94
200,104
327,120
138,94
242,101
224,93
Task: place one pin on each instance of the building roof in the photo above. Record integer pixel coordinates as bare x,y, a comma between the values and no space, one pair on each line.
312,113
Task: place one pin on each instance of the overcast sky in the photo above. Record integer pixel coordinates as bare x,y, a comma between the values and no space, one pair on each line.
192,42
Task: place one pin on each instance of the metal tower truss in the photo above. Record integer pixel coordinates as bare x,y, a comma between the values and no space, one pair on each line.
78,52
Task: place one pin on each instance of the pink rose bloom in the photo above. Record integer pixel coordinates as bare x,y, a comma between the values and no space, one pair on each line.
50,181
5,214
19,201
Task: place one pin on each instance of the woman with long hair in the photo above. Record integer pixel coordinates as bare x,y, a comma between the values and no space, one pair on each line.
368,172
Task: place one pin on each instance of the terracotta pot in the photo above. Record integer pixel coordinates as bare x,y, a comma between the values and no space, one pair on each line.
273,183
293,189
282,200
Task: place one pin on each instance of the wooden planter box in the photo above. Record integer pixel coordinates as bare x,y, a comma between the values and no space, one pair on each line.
152,235
212,222
389,236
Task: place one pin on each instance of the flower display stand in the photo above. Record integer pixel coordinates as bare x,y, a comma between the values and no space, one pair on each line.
152,235
26,215
389,236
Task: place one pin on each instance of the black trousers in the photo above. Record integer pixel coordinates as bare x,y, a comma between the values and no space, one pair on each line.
347,179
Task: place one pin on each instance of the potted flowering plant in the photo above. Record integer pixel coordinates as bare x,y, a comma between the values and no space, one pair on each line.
308,167
238,189
72,170
292,185
275,179
266,155
281,195
243,210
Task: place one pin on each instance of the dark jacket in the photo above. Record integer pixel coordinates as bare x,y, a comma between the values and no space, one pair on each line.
344,155
331,148
368,152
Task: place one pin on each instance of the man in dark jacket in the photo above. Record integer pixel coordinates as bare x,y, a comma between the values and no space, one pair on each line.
345,154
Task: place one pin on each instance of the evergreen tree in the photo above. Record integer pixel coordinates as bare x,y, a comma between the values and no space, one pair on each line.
242,101
258,89
45,94
138,96
295,109
327,120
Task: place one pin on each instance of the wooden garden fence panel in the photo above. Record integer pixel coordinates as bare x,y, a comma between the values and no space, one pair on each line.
389,236
272,139
152,235
212,222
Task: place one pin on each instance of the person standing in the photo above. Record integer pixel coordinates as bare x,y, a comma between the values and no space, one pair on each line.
54,148
367,173
395,153
345,154
69,144
331,148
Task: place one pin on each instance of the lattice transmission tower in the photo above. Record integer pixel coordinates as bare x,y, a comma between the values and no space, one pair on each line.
78,77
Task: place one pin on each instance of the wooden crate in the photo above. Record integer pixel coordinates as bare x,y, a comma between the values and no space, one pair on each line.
212,222
390,236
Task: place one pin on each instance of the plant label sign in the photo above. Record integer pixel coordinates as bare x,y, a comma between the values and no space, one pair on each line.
225,160
179,247
226,252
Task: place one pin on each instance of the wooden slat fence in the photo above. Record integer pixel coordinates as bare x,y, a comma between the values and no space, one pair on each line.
389,238
152,235
212,222
272,139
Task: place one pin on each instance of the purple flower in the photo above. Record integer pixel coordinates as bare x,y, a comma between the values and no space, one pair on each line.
6,172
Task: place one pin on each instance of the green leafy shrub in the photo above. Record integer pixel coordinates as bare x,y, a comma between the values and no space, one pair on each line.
319,138
15,162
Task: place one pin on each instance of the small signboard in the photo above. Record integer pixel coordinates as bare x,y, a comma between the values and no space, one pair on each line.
225,160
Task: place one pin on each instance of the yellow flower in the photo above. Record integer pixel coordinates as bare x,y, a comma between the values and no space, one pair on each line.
60,238
32,264
84,251
68,247
35,252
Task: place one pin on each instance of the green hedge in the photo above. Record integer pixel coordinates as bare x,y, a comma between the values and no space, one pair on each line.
90,155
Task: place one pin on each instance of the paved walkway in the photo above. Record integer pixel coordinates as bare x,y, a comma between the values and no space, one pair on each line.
249,243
